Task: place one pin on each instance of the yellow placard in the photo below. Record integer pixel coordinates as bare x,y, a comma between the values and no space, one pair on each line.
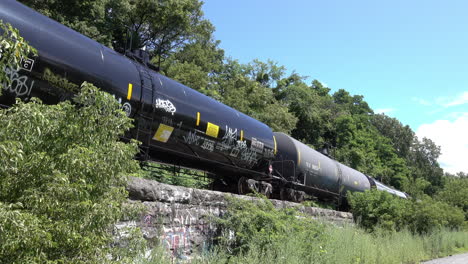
163,133
212,130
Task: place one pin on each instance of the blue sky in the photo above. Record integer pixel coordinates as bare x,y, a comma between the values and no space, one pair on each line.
408,59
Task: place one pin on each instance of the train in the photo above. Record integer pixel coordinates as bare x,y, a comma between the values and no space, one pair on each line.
176,124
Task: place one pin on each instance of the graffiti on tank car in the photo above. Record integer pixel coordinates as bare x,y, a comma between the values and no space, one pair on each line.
316,167
170,122
208,145
241,145
166,105
268,153
127,108
257,145
18,83
228,141
249,155
192,138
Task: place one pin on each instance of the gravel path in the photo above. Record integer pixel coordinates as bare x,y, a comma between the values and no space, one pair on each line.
455,259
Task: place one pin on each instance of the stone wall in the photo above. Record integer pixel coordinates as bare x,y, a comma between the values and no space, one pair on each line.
178,216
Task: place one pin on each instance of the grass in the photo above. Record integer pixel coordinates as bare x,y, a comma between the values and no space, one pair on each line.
340,245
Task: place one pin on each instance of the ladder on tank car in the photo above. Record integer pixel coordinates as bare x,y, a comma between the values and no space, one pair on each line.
144,132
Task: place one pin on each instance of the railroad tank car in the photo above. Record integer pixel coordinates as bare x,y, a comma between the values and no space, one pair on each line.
314,172
175,123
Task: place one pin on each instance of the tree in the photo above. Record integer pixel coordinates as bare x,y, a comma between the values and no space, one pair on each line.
314,112
162,26
455,193
88,17
63,178
423,164
197,65
240,91
400,136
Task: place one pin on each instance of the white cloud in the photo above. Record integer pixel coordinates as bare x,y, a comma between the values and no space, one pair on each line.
452,136
453,100
384,110
459,100
421,101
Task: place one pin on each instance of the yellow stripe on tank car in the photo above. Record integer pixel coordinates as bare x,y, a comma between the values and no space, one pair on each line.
276,149
298,157
198,118
242,135
129,92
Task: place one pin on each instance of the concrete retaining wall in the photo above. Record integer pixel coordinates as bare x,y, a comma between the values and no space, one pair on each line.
178,216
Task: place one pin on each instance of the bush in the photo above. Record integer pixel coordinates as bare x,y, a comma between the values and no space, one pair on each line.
373,209
258,225
427,215
63,178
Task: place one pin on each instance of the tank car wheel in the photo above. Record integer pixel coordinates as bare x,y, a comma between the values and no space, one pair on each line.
299,196
266,189
243,186
286,194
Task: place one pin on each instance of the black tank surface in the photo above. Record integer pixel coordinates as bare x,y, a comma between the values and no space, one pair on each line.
353,180
65,60
194,124
297,161
176,124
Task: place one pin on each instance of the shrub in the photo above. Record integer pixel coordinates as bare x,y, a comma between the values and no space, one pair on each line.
427,215
373,209
63,180
259,225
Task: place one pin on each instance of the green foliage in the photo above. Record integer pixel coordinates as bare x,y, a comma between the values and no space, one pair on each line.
161,25
13,48
455,193
374,209
63,178
240,91
90,17
259,225
351,245
427,215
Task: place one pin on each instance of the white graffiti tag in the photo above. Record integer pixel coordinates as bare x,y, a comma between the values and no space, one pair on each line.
192,138
18,85
229,140
208,145
241,145
250,156
166,105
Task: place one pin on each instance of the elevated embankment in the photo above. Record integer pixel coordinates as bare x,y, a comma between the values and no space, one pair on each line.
179,216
